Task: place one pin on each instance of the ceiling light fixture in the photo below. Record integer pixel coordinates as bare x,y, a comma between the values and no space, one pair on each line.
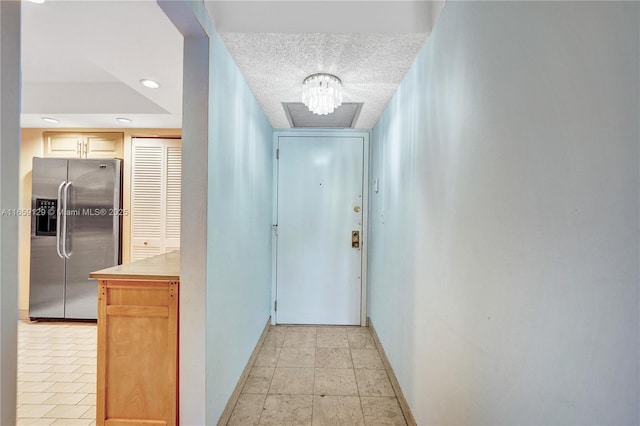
37,1
322,93
151,84
123,120
50,120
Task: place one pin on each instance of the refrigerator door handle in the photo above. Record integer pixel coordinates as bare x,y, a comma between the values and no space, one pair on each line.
65,200
58,225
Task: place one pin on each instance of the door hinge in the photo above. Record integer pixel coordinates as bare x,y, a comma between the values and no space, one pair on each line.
275,305
278,154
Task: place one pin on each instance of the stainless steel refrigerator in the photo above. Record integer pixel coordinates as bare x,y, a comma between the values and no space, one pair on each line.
75,229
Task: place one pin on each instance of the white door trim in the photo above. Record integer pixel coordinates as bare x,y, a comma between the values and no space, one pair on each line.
364,240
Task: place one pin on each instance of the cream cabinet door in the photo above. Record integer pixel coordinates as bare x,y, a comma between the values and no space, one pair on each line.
62,145
156,170
103,145
83,145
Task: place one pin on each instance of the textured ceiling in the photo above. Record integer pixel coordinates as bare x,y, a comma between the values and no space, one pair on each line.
371,66
370,45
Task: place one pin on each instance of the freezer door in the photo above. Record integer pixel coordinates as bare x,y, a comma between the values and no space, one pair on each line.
93,231
47,268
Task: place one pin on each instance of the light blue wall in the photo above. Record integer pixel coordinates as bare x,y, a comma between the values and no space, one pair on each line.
238,227
504,249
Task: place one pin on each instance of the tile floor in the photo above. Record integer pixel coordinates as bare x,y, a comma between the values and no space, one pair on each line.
56,373
317,376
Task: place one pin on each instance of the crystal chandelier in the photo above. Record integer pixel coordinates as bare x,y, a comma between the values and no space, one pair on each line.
322,93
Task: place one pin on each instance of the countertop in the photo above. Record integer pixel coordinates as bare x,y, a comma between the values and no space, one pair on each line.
164,267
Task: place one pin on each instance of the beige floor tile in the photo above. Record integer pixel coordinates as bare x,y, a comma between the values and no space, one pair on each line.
87,388
34,377
274,339
85,354
64,387
247,410
337,410
259,380
297,357
63,368
33,368
33,359
89,399
278,329
72,422
383,411
287,410
335,381
87,378
90,413
296,339
359,340
84,369
64,377
63,360
366,358
332,339
34,422
33,386
267,357
66,411
65,398
34,346
87,361
292,381
40,353
333,358
33,410
33,397
373,383
62,353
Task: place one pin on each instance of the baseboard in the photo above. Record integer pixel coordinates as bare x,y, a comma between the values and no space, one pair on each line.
233,399
404,406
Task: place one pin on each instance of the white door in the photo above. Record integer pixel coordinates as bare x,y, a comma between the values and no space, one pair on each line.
319,207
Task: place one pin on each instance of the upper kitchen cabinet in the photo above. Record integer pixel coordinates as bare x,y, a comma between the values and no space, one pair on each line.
83,145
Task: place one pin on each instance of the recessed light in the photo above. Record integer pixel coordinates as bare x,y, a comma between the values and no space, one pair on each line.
151,84
37,1
50,120
123,120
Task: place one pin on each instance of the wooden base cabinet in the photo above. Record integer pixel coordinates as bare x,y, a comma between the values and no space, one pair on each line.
137,381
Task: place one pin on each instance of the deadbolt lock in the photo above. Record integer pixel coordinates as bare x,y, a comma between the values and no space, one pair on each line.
355,239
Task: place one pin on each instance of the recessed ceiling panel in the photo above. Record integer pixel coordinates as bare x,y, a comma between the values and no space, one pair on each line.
342,117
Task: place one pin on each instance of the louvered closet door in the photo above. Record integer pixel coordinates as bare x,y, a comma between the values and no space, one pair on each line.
155,196
173,190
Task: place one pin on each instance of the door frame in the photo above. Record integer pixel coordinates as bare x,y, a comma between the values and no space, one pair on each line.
364,240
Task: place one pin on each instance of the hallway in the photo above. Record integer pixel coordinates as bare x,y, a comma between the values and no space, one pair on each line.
325,375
